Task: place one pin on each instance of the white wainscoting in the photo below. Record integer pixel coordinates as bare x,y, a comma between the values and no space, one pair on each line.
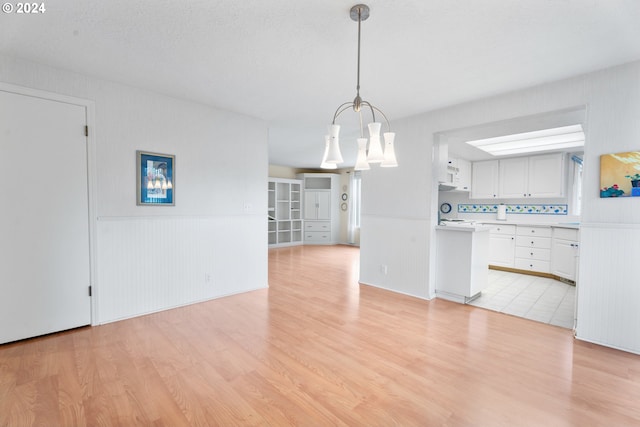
148,264
609,285
393,254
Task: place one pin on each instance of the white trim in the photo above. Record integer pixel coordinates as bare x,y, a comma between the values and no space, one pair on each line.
89,106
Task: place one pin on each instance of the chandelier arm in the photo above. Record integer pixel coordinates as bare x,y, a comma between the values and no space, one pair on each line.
373,113
341,109
385,117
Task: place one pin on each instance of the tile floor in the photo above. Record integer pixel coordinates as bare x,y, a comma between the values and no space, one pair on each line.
536,298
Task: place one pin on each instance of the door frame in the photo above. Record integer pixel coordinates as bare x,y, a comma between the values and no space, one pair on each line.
89,107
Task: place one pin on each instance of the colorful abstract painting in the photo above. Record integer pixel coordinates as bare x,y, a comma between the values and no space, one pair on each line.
620,174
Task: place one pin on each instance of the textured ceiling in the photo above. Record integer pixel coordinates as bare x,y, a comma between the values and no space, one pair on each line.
292,62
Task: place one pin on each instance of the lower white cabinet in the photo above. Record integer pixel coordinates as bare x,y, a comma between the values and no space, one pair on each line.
565,244
533,249
317,231
502,243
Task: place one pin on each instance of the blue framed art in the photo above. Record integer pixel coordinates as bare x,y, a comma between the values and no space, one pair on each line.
155,179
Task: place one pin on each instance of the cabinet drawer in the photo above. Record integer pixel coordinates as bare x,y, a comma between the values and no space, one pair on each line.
533,265
503,229
317,236
565,233
534,231
533,242
533,253
317,226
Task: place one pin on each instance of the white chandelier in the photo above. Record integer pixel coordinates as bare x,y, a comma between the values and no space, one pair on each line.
375,154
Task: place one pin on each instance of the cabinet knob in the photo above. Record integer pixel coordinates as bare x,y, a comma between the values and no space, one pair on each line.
531,253
532,243
533,231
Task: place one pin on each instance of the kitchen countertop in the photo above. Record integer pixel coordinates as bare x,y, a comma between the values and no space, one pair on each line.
467,228
572,225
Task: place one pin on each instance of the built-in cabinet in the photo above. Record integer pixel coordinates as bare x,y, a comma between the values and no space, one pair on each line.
459,173
502,244
541,176
549,250
321,208
565,244
533,249
484,180
284,212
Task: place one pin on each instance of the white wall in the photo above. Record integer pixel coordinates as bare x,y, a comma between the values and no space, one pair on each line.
400,205
150,258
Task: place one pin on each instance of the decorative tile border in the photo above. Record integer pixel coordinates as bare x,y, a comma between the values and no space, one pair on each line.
515,209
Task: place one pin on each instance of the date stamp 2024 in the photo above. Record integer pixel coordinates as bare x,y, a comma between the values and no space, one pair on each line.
24,8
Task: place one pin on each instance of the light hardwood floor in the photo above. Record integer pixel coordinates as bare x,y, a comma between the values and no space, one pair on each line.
317,349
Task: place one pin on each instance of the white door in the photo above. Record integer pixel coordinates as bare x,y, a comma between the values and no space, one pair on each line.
44,217
324,204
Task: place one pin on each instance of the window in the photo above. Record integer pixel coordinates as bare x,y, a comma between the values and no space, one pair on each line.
355,207
576,188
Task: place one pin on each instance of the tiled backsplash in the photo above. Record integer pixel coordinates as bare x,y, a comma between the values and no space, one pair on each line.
514,209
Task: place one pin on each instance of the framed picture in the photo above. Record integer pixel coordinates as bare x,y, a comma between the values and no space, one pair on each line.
155,179
620,174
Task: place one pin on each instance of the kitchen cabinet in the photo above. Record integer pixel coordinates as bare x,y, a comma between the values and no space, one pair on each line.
321,208
284,212
484,180
502,243
533,249
459,174
547,175
564,248
541,176
513,178
317,205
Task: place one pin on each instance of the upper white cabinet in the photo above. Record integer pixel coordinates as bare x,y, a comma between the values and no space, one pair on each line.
547,175
317,204
540,176
513,178
459,173
484,180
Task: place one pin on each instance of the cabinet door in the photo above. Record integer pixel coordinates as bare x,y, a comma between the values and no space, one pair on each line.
513,178
546,175
484,180
563,260
310,205
502,250
463,177
323,200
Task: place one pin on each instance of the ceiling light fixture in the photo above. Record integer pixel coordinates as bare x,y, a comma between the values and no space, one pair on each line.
530,142
375,154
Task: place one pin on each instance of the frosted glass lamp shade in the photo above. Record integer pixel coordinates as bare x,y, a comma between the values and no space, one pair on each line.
389,152
324,164
375,148
334,155
361,160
